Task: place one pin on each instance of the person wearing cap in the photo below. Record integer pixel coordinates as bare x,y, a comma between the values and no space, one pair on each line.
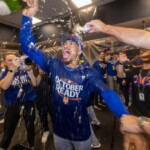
140,78
100,65
18,82
123,82
111,71
72,86
136,37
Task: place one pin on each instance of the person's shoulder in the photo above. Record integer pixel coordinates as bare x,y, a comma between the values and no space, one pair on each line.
96,61
3,72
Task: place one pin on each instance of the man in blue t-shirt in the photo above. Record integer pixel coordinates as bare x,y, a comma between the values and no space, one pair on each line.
19,99
72,86
100,65
111,71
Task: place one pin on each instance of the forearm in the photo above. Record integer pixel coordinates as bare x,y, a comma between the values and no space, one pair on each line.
6,82
38,79
32,77
138,38
114,103
28,45
112,100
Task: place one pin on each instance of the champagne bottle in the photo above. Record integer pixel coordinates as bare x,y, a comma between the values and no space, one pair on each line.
9,6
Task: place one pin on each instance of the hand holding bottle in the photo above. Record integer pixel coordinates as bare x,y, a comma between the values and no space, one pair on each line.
32,8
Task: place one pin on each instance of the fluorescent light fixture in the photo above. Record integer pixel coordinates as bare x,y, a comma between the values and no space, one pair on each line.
81,3
35,20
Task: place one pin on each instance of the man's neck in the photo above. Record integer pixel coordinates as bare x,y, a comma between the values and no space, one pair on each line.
74,64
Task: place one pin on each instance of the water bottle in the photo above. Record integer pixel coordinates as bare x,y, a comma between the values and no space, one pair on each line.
9,6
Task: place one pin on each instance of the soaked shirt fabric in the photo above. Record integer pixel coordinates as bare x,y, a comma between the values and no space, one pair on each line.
71,89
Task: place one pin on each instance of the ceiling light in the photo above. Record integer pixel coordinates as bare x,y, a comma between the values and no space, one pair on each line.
82,3
35,20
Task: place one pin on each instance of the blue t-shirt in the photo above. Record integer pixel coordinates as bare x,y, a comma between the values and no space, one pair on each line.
71,89
111,70
100,66
20,78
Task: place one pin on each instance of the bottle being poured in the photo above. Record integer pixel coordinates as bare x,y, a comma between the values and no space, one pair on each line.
79,31
9,6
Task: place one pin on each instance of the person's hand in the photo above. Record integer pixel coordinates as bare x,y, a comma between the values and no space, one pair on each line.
28,67
41,72
122,58
129,123
32,8
137,140
123,82
2,65
15,64
96,26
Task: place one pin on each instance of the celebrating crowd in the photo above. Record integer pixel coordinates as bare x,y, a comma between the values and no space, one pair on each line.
68,85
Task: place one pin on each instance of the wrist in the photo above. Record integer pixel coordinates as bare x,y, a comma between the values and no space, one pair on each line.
105,29
143,122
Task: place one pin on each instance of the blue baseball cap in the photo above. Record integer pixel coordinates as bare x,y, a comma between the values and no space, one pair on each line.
73,38
115,52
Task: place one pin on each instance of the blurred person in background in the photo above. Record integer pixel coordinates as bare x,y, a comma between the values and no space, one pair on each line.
19,99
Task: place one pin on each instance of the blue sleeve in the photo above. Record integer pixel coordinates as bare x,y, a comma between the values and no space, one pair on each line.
96,66
112,100
3,74
98,69
114,103
29,47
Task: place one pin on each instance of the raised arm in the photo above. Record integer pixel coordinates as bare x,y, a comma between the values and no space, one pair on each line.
28,45
7,80
136,37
